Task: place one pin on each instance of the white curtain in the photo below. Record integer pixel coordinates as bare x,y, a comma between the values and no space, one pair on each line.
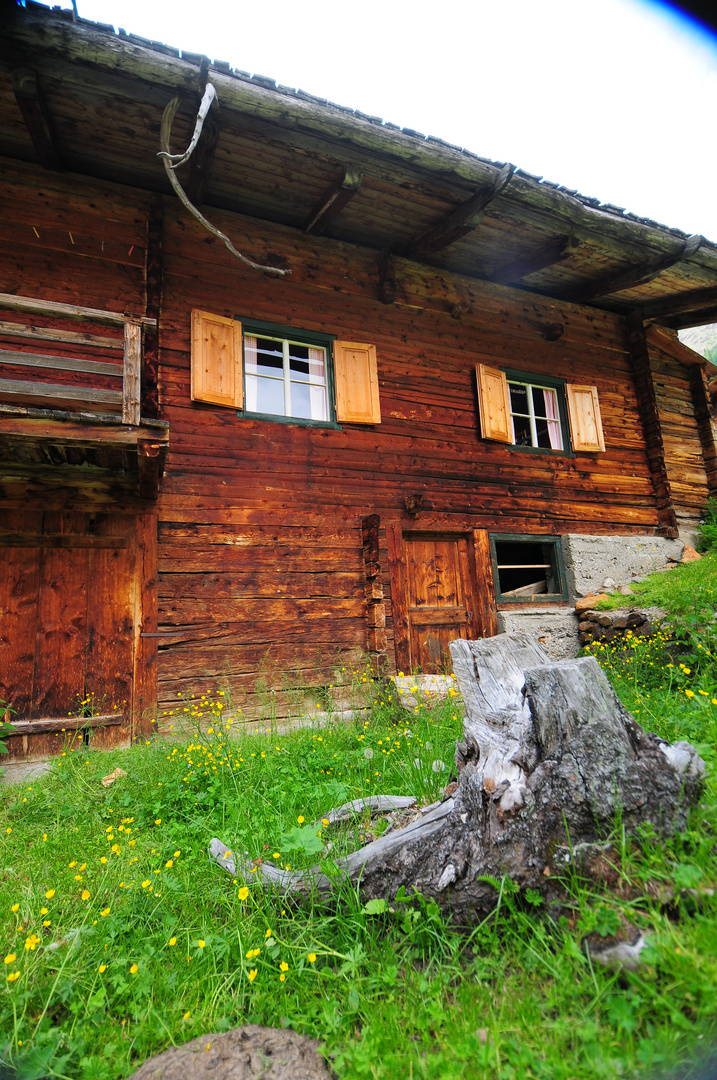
317,383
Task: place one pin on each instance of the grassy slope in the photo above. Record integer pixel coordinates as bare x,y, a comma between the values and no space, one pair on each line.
157,951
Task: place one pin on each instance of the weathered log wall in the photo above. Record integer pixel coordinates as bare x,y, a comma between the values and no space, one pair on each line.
259,537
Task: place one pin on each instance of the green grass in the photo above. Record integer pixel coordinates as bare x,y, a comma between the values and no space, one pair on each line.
157,944
688,591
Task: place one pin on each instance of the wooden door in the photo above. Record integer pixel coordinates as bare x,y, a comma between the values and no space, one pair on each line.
440,601
68,626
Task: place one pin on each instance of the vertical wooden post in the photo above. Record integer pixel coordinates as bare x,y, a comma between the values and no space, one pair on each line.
145,623
153,287
650,417
486,622
399,599
377,642
132,372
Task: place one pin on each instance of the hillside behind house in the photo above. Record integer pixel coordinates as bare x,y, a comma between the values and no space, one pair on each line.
703,339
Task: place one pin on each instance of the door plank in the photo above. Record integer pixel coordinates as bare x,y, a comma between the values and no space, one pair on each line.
61,633
19,581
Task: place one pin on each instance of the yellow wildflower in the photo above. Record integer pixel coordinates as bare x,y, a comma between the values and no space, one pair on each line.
253,974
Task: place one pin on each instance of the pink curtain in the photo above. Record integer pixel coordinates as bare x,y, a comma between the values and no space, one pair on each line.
551,412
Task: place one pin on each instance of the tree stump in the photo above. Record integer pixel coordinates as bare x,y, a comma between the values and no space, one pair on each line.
550,764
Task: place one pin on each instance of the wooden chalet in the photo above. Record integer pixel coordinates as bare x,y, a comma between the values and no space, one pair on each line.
204,465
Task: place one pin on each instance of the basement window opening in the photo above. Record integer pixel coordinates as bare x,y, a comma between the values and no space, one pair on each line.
527,569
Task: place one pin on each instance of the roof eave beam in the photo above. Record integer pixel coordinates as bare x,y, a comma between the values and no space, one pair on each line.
692,318
462,220
37,118
333,201
632,278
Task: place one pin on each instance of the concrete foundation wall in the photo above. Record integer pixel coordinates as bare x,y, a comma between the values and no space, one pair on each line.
590,561
557,631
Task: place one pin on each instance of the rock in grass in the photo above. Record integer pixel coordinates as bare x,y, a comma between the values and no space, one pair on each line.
246,1053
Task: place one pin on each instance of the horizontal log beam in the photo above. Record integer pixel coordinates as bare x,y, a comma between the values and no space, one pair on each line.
556,251
62,427
333,201
47,727
17,388
59,363
692,318
461,221
61,540
633,277
37,118
31,306
68,337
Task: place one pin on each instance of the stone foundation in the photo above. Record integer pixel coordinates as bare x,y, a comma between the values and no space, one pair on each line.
610,625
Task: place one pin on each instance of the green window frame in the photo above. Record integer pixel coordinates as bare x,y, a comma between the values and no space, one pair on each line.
287,336
539,382
527,569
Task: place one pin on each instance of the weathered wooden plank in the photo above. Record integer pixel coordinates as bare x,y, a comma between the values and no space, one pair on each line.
60,540
19,579
61,392
61,363
60,724
145,623
61,632
31,306
110,628
66,337
132,373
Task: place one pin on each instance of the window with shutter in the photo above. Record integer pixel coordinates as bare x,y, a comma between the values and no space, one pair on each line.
533,412
277,373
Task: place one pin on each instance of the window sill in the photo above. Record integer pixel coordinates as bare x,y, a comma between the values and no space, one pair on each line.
535,602
298,421
539,450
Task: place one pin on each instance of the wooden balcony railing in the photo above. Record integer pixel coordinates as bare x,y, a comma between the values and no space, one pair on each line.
72,395
76,407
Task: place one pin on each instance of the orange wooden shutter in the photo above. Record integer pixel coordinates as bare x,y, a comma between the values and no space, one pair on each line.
216,360
494,404
356,383
585,423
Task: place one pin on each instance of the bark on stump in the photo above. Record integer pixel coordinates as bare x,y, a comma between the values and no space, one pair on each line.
550,763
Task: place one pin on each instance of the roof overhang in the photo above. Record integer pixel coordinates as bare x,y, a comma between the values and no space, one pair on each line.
77,96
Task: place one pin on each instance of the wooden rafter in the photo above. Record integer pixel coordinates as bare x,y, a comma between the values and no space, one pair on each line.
678,304
556,251
37,118
693,318
633,277
461,221
333,201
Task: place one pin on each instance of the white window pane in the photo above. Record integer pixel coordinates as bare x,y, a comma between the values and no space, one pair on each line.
269,395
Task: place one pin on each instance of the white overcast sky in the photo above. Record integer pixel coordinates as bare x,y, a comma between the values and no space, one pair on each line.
616,98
